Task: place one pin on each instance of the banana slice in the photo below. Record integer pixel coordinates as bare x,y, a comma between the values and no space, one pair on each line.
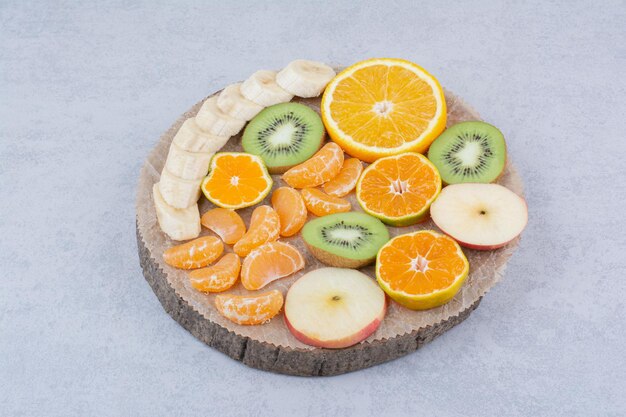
178,224
262,89
304,78
193,139
187,165
231,102
214,121
178,192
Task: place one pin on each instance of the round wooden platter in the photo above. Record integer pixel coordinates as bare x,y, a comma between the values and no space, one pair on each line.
270,346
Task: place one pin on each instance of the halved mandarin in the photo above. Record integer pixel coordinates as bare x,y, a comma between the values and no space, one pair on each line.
421,270
320,168
195,254
346,180
225,223
264,227
322,204
287,202
249,310
270,262
236,180
218,277
383,107
399,189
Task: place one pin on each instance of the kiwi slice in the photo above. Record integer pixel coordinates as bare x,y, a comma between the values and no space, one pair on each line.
345,240
469,152
284,135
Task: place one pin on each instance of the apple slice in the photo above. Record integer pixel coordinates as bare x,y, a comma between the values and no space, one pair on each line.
480,216
334,307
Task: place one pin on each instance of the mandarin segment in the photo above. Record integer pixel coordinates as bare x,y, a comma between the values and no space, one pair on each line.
322,204
269,262
346,180
264,227
322,167
218,277
249,310
226,223
421,270
288,204
195,254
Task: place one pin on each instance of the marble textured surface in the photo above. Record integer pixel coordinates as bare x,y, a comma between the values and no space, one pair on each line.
86,90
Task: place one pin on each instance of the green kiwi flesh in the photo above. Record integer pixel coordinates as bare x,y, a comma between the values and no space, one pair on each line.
346,240
469,152
284,135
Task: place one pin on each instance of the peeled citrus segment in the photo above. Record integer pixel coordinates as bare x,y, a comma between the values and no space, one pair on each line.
195,254
322,167
267,263
236,180
248,310
264,227
346,180
218,277
322,204
288,203
382,107
421,270
226,223
399,189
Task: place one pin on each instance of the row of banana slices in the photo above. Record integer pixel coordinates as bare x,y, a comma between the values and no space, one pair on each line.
220,117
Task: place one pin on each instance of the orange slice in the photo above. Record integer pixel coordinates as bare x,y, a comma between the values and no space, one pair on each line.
291,210
382,107
225,223
346,180
218,277
322,204
320,168
256,309
399,189
270,262
264,227
421,270
195,254
236,180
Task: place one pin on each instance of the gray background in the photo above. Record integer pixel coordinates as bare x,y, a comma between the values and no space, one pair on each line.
86,90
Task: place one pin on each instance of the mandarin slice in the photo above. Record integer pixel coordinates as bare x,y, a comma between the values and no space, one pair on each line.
322,204
195,254
226,223
264,227
267,263
399,189
249,310
322,167
346,180
218,277
291,210
421,270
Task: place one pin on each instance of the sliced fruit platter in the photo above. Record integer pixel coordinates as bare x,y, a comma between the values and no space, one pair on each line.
313,222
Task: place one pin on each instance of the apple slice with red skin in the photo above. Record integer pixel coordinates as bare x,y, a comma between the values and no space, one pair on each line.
480,216
334,307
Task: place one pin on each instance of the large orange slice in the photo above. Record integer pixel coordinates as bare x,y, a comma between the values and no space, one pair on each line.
399,189
248,310
346,180
421,270
270,262
218,277
322,204
264,227
291,210
321,167
236,180
382,107
226,223
195,254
